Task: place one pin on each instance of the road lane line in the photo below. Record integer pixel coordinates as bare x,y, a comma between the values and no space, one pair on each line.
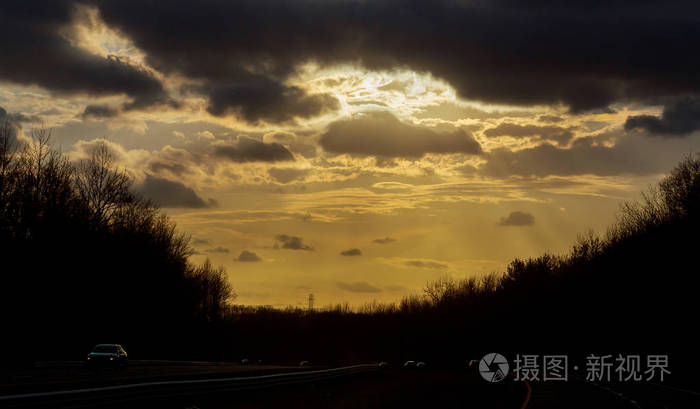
182,382
672,388
616,393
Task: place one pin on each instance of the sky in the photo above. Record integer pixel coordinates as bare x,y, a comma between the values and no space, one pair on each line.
357,149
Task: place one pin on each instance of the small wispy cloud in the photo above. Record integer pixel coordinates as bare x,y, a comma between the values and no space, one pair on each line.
248,256
385,240
517,218
359,287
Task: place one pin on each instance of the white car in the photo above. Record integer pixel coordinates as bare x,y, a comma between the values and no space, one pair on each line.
409,364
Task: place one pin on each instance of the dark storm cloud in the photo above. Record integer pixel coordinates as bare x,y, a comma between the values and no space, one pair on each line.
34,52
382,134
552,133
678,118
517,218
99,111
351,252
385,240
252,150
286,175
265,100
358,287
291,243
581,53
167,193
248,257
630,155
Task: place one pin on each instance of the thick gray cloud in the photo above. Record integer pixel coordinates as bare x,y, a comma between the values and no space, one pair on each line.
358,287
266,100
580,53
248,257
99,111
583,54
517,218
291,243
252,150
167,193
382,134
385,240
552,133
34,52
351,252
678,118
630,155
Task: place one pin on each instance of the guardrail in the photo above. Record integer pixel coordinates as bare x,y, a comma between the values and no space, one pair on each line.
117,394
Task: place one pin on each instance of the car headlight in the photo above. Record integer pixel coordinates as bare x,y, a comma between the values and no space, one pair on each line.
111,358
88,358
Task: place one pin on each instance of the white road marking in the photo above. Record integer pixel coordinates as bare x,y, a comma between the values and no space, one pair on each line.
183,382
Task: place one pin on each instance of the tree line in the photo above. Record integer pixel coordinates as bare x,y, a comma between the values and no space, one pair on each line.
84,259
632,289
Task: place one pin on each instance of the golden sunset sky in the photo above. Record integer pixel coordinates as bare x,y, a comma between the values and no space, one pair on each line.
341,159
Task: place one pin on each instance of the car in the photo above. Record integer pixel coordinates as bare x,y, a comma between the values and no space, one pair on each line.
304,363
107,355
383,365
421,365
245,361
409,364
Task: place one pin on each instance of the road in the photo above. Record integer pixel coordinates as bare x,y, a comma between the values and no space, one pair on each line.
46,376
140,392
225,386
578,393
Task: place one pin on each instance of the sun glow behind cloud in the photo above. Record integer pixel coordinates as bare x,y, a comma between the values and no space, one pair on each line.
89,32
437,177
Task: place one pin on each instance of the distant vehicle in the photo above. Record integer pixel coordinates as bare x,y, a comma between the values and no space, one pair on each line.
383,364
474,363
409,364
244,361
107,355
304,363
421,364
